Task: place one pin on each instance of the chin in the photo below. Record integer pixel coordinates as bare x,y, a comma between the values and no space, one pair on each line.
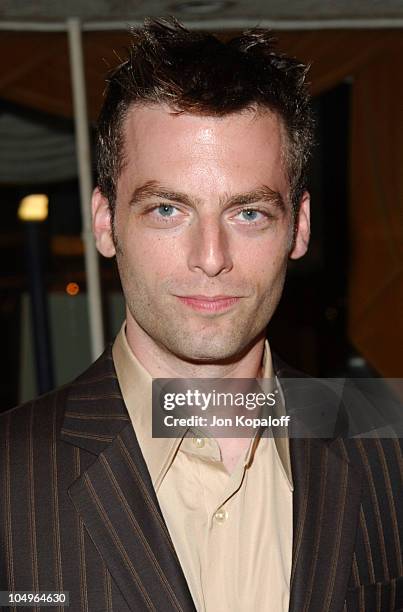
208,351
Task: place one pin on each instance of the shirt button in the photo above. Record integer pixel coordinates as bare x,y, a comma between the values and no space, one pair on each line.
221,515
198,442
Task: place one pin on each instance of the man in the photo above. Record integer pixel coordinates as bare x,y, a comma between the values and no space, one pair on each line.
201,196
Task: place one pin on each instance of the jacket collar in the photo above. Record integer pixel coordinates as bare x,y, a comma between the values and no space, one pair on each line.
95,412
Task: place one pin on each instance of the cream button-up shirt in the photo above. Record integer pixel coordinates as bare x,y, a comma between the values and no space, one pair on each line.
232,531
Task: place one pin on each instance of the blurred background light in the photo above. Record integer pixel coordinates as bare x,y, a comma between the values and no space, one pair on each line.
33,207
72,288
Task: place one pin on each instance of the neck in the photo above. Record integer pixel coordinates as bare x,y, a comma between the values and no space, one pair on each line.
160,363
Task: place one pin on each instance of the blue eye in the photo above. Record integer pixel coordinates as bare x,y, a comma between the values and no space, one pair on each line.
166,210
250,214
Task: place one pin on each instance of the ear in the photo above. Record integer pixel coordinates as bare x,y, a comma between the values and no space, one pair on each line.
302,228
102,224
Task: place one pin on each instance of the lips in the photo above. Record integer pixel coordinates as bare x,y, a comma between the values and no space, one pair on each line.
204,303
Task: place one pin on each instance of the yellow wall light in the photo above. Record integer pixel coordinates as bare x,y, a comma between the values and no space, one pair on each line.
33,207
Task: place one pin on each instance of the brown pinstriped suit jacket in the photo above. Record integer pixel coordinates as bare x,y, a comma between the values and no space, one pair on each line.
78,511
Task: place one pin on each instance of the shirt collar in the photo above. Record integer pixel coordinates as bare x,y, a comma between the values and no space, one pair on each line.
136,387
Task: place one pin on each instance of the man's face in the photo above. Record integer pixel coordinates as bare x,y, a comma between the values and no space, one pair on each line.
203,229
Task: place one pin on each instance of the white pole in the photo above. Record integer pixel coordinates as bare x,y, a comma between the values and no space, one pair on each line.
84,170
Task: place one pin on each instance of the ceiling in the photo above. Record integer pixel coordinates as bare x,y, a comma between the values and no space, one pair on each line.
388,13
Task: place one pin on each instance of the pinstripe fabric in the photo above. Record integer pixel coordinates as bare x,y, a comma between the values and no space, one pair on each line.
78,510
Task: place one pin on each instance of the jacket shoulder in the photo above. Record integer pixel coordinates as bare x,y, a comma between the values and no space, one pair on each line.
50,406
47,404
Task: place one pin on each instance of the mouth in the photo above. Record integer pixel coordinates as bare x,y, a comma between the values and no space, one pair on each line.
204,303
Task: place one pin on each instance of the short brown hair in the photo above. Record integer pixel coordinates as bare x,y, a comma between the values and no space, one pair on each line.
196,72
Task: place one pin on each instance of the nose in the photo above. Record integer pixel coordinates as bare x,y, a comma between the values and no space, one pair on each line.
209,250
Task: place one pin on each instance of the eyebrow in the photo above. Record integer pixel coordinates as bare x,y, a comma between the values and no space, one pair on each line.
157,190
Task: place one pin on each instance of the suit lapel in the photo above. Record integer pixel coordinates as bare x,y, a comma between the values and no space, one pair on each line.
326,502
115,496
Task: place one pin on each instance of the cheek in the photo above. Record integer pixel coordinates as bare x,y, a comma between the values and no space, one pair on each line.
269,277
263,259
149,259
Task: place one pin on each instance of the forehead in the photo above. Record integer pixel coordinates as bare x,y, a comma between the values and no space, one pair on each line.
242,146
145,121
